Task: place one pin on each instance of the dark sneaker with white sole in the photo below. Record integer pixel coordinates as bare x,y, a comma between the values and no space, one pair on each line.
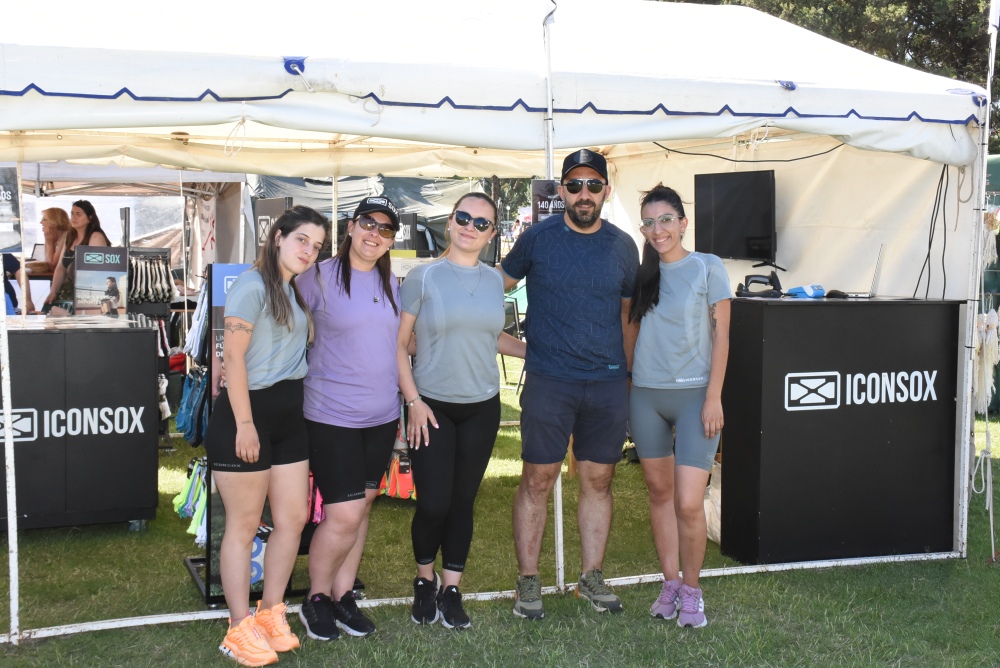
528,597
349,617
449,604
424,604
316,615
592,588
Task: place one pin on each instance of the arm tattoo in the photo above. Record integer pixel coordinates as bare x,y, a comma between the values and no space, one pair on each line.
234,327
711,316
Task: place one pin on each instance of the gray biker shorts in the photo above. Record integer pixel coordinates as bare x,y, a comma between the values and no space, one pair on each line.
652,412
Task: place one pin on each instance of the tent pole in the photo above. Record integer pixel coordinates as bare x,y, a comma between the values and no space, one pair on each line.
557,499
8,448
549,132
980,236
334,215
243,228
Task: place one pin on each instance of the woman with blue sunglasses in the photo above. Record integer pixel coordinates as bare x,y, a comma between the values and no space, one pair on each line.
455,308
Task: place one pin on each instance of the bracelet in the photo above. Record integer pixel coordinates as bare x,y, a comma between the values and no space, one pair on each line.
629,375
409,404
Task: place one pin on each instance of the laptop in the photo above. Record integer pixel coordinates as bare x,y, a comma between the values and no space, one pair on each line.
871,291
38,253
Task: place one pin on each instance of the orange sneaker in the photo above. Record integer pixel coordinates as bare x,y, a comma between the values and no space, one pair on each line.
246,646
273,626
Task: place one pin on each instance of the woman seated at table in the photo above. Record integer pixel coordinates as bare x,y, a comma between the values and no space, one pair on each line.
85,230
55,225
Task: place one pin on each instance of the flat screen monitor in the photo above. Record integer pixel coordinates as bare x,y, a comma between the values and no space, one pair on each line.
734,215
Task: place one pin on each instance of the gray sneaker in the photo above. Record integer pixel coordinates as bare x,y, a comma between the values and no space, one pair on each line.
528,599
592,588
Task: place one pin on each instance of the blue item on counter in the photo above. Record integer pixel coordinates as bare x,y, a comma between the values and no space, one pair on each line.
807,292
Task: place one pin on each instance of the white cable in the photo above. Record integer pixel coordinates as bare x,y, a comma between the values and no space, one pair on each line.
295,68
230,149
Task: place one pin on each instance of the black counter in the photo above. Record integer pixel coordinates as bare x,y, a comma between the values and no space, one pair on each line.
840,437
85,423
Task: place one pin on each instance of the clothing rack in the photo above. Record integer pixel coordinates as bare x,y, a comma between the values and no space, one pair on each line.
150,283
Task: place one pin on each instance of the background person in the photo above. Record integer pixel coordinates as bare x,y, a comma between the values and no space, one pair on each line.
256,438
351,408
85,230
455,308
682,307
55,224
579,272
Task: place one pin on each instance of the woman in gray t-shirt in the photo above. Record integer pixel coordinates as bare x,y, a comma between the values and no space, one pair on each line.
256,439
455,307
681,306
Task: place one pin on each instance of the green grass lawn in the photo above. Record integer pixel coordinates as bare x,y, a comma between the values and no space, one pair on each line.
911,614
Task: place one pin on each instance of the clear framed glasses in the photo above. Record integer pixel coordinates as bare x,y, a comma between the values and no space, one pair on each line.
367,223
665,220
574,186
463,218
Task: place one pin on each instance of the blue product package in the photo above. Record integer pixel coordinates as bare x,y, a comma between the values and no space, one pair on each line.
807,292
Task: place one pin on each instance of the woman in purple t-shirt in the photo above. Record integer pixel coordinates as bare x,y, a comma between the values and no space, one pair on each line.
351,408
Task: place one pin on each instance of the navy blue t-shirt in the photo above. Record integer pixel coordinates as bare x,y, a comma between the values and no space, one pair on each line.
575,285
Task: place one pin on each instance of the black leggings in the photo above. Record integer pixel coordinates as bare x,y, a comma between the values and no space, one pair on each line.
447,475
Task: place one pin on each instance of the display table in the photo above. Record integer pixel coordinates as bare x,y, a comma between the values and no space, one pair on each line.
85,421
840,437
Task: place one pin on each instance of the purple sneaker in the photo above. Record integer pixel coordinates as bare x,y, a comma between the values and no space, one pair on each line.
665,606
692,608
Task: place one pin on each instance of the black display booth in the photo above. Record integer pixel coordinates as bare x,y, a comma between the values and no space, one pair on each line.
85,422
204,569
840,436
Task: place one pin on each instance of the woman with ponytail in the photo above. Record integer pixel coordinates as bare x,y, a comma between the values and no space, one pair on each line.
681,306
351,408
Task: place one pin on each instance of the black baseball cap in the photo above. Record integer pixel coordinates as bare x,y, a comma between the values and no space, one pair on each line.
586,158
383,204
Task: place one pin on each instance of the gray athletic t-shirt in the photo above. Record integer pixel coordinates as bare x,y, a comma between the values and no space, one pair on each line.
275,353
460,315
674,348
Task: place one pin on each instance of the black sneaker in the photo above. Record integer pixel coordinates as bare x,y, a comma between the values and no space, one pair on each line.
424,608
449,602
317,616
350,619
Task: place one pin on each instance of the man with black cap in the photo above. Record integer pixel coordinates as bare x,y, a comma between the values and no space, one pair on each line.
580,271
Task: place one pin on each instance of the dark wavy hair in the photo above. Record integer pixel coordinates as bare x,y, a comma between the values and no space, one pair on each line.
383,265
647,277
270,271
94,224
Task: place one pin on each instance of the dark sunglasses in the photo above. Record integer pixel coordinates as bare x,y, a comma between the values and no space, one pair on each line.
463,219
574,186
367,223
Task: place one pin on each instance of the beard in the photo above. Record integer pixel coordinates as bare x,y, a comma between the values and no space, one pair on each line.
584,219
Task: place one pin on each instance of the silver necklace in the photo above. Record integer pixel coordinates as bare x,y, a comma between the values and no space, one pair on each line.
479,277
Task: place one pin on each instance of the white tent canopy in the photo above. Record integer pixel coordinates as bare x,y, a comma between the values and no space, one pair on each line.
396,88
459,88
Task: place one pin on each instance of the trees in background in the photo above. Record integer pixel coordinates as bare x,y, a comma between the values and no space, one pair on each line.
945,37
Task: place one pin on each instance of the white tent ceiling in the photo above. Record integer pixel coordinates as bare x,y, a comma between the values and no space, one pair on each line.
442,89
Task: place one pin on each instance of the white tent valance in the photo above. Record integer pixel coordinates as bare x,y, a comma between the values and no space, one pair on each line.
379,75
